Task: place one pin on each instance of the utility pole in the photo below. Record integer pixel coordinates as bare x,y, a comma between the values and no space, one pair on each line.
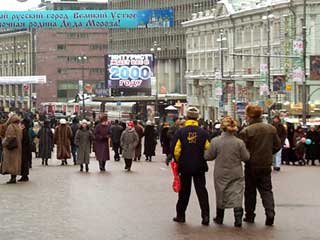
304,83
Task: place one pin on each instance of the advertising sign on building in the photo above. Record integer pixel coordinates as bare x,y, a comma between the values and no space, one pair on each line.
315,67
124,18
129,71
297,63
279,83
23,80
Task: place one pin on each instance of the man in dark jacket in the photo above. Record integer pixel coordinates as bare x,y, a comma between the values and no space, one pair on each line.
116,131
282,133
261,140
190,143
74,127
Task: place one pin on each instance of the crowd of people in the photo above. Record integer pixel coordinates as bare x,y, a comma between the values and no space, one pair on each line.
189,142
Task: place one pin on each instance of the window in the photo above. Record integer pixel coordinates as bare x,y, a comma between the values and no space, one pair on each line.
61,46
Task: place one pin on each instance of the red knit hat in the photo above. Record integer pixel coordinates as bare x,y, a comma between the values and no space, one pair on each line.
130,124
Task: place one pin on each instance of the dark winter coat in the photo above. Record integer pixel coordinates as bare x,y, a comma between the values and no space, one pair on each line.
229,152
83,140
101,143
312,151
45,136
190,143
150,141
128,141
74,129
165,140
140,131
116,131
63,138
261,140
282,132
26,152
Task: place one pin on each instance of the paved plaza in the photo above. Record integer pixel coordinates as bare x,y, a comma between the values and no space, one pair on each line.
61,203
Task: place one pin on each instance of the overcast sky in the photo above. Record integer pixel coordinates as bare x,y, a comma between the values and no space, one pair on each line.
18,6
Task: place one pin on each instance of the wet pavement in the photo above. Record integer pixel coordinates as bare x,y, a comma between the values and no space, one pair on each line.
61,203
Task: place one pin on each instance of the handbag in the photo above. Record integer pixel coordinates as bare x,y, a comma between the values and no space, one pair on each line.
12,143
176,185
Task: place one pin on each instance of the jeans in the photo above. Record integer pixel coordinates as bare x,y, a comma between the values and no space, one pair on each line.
277,158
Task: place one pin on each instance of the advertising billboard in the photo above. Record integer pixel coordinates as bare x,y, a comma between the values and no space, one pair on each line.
129,71
279,83
315,67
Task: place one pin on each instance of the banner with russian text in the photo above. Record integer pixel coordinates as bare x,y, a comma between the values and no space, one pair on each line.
127,18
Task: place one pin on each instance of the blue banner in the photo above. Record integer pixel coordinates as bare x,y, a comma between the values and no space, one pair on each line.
158,18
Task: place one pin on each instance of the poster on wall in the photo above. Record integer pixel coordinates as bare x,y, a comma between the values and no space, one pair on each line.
315,67
279,83
129,71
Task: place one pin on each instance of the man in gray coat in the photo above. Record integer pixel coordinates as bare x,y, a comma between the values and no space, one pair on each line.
262,141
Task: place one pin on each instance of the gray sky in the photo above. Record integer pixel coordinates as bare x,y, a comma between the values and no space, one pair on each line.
14,5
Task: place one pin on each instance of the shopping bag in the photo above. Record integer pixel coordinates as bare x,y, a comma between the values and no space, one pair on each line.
176,185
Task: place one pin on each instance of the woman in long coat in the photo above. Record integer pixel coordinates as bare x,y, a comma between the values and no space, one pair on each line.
229,152
26,151
129,141
312,152
63,137
11,163
45,136
150,141
83,140
101,144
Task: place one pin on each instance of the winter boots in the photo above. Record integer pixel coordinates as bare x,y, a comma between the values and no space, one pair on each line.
238,213
12,180
87,167
220,215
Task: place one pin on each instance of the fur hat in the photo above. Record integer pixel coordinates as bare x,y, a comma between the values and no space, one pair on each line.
84,121
254,111
193,113
228,124
63,121
149,123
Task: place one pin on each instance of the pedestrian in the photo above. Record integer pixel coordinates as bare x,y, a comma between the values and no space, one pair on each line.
129,141
282,133
26,154
140,131
165,139
35,142
229,152
74,127
116,131
63,138
189,146
261,140
12,149
45,136
101,142
150,141
312,149
83,140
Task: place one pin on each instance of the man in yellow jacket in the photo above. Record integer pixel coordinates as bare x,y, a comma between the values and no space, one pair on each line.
190,143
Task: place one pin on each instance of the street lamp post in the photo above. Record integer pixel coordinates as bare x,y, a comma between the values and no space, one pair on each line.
304,83
220,40
156,49
82,59
268,18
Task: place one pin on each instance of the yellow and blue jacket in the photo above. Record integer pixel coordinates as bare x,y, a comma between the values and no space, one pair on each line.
190,143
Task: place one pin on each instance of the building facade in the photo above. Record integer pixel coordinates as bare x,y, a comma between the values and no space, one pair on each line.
16,60
171,59
228,50
66,56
